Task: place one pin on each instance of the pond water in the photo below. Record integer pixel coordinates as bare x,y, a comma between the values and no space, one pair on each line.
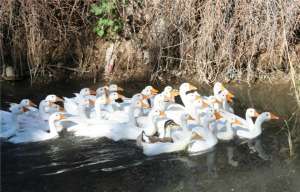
71,163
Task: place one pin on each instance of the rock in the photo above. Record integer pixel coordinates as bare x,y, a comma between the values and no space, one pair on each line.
9,71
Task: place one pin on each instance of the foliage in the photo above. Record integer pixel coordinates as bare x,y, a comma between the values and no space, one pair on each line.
109,23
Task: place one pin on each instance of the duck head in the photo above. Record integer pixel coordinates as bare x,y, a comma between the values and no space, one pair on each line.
27,103
149,91
185,87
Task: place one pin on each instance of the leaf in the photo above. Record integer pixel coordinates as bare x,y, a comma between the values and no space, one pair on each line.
96,9
101,33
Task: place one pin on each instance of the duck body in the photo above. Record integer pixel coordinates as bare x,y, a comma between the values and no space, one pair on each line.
30,135
255,130
208,140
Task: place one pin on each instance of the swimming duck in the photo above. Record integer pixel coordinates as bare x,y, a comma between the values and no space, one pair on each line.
253,131
153,145
71,104
11,123
204,140
30,135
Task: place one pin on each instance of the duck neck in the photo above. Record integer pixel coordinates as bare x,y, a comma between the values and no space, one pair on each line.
249,120
52,127
229,129
132,119
184,125
15,123
98,107
259,121
42,108
225,105
182,94
82,112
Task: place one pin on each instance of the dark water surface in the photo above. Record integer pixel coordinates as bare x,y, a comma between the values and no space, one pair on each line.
78,164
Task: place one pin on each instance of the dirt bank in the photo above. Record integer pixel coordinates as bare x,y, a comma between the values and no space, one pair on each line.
200,40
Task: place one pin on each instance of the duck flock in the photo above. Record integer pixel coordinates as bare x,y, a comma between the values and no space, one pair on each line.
153,119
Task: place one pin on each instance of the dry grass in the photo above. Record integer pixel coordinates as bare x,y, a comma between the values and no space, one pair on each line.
38,35
226,39
204,39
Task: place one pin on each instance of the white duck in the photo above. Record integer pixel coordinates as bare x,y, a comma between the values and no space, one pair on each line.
225,129
11,123
253,131
71,104
207,140
222,96
40,120
47,107
106,90
109,128
149,92
197,106
6,115
29,135
153,145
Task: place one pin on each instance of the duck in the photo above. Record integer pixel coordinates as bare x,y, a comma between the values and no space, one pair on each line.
226,132
6,116
149,92
27,103
243,123
107,128
47,106
41,118
118,115
204,140
252,131
153,145
71,104
29,135
221,97
106,90
9,120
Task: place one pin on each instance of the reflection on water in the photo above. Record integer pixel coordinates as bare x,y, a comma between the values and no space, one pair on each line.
78,164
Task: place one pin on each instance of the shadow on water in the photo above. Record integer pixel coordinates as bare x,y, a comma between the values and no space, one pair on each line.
78,164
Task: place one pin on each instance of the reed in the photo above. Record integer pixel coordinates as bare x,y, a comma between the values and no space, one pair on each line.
36,36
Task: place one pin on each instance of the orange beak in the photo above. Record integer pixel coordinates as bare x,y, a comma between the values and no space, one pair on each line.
190,118
174,93
145,97
162,114
229,97
61,109
204,104
144,104
61,116
59,99
196,136
192,87
274,116
32,104
24,109
198,97
120,96
108,101
256,114
237,122
154,91
120,89
92,92
218,115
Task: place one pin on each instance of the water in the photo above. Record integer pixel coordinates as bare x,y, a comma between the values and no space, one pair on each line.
78,164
